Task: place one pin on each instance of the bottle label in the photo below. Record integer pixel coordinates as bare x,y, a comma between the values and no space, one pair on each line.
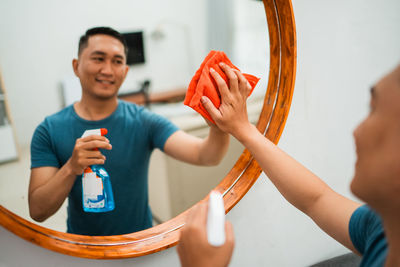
92,191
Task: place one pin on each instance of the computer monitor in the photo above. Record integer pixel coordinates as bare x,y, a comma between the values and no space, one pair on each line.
135,47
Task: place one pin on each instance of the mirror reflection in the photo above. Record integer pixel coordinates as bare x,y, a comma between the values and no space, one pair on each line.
176,36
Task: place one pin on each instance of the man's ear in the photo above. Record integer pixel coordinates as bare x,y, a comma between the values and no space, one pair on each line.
75,64
126,71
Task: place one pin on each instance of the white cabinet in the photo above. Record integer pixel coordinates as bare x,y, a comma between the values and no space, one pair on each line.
175,186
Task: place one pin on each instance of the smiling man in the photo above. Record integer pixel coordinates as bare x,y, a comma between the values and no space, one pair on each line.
59,155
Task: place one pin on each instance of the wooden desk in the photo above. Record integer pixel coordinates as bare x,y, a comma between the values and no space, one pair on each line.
170,96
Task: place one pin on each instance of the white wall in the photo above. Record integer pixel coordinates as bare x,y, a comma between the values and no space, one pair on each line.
343,48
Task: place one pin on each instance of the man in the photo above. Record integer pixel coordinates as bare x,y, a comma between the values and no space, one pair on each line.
372,230
59,155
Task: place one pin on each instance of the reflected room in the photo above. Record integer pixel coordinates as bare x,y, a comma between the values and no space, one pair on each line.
167,42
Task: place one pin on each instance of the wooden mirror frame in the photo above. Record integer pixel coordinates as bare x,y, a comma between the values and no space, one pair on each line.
238,181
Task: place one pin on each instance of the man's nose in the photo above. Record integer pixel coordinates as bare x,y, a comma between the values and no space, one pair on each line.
106,68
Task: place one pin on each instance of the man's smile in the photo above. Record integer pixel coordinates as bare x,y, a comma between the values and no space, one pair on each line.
104,81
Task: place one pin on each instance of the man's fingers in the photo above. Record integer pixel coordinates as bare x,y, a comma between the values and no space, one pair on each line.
96,144
244,85
191,217
89,162
204,214
93,154
232,77
211,109
95,137
221,84
230,237
201,214
93,142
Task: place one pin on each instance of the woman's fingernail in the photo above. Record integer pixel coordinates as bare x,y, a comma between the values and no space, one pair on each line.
222,64
203,99
212,70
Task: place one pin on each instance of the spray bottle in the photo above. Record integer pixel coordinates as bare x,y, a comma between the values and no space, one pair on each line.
97,195
216,220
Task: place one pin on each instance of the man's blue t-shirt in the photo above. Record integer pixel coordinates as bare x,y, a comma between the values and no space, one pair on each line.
133,132
368,237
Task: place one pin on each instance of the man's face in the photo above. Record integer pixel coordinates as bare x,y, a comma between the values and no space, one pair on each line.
377,138
101,67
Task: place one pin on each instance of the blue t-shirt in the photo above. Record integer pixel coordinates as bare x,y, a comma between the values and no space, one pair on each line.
133,132
368,237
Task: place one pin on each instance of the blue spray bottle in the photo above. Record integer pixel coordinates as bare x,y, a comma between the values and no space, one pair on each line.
97,195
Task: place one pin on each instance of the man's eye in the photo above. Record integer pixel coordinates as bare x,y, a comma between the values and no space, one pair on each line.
98,59
119,62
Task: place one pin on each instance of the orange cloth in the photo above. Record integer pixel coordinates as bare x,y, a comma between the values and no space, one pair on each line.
203,84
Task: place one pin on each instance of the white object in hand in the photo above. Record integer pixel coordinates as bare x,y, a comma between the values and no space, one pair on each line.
101,131
216,220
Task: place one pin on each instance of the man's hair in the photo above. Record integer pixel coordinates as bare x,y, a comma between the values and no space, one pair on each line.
83,41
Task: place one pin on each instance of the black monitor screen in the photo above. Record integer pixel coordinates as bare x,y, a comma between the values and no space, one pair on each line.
135,47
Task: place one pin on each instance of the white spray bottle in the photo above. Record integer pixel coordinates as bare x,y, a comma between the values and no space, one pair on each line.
216,220
97,195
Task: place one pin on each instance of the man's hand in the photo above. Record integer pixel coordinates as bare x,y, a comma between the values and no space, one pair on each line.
50,186
86,153
194,249
231,116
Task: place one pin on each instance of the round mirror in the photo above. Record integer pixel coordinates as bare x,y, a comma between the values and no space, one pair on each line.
167,48
238,180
